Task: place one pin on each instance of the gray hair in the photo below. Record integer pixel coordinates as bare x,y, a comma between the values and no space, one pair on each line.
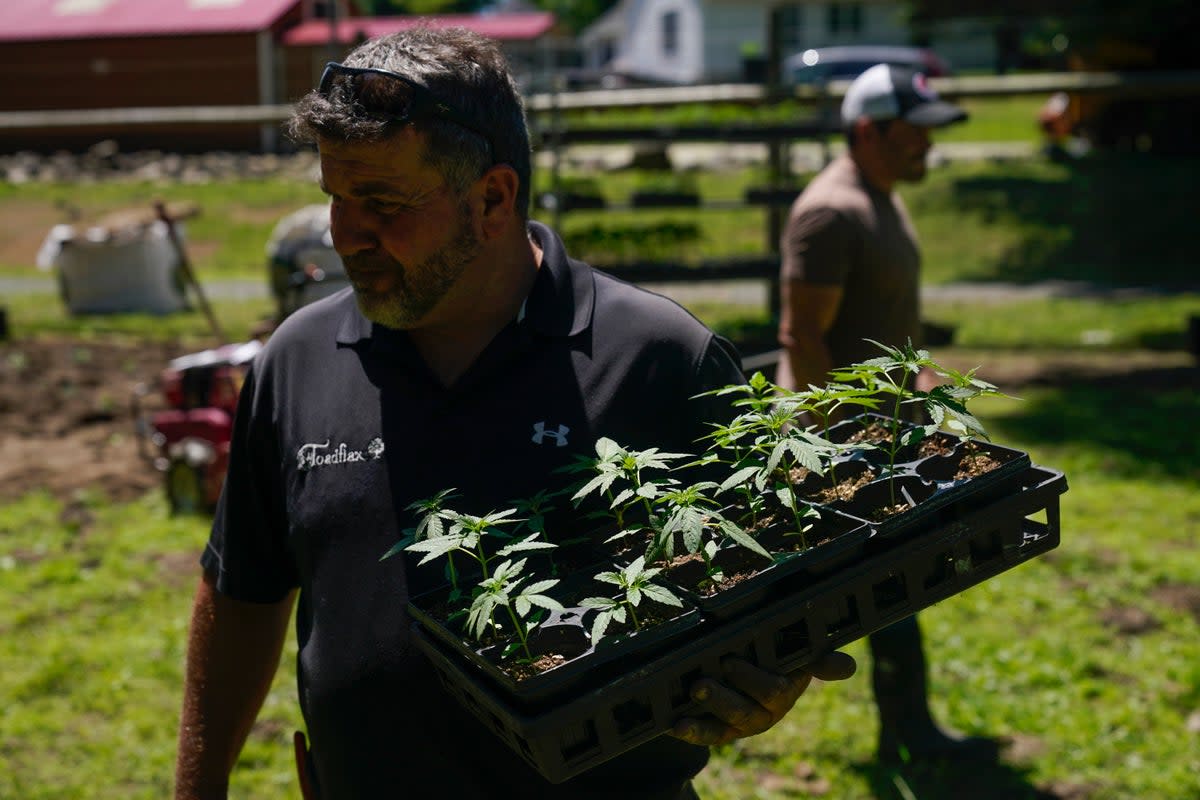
466,70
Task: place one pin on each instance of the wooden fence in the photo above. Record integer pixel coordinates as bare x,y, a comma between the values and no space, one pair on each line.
1114,84
551,133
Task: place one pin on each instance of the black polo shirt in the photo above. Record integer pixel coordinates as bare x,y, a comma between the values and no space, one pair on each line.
341,426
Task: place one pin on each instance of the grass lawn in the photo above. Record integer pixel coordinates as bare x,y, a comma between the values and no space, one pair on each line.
1087,657
1105,220
1087,660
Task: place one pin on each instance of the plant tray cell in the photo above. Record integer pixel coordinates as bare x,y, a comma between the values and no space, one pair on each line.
841,538
605,719
566,633
929,483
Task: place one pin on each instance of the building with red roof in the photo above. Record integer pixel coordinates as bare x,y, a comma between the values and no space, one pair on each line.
530,41
67,55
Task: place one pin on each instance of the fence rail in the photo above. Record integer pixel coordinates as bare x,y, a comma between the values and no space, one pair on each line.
1143,84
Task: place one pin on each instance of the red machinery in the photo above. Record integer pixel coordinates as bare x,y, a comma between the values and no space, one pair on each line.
188,439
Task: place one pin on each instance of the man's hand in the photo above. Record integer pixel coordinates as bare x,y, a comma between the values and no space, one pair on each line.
751,700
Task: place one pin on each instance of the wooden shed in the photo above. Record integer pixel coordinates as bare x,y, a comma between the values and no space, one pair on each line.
119,54
246,58
531,40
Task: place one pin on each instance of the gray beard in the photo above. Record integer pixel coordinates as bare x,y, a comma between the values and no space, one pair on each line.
411,301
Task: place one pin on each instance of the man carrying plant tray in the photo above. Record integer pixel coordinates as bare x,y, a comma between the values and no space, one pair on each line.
471,352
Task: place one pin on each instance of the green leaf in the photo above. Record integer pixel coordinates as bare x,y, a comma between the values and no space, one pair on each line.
528,543
633,569
435,548
396,548
661,594
648,491
542,601
738,478
599,483
744,539
609,577
607,449
600,626
912,436
622,497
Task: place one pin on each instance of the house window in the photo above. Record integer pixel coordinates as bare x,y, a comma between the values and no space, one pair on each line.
844,17
789,25
670,33
608,51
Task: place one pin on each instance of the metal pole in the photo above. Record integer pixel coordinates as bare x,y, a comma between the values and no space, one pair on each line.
185,266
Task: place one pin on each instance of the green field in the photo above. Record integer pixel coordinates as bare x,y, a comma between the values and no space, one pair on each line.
1087,660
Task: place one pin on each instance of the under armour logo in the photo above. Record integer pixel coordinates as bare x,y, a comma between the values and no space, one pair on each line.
559,436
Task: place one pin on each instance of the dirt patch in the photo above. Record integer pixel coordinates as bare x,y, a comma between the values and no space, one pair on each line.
23,229
1129,620
66,409
1181,597
66,406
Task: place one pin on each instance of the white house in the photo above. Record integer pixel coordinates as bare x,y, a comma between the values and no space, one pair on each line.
698,41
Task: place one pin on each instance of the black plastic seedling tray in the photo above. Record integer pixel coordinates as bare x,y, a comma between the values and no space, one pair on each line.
846,540
564,632
569,736
937,497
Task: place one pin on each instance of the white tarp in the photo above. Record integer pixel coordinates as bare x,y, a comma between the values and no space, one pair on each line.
102,271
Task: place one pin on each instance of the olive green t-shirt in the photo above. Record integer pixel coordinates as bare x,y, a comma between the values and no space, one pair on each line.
842,231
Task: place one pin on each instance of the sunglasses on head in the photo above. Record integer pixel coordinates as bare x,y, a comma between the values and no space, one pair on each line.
422,103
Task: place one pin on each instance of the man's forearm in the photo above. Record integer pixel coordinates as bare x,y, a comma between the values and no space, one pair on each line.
806,315
233,653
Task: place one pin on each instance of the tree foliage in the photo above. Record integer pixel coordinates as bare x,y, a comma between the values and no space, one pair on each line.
1164,31
575,15
389,8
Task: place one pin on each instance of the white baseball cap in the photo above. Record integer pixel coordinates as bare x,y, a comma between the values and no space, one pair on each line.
889,92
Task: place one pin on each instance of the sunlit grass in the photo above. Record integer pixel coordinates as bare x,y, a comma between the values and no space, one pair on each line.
96,612
38,314
1155,321
94,634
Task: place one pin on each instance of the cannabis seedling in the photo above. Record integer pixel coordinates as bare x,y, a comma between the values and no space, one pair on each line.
504,589
766,446
692,512
468,534
891,375
824,405
730,444
622,477
634,581
534,511
430,525
471,536
945,405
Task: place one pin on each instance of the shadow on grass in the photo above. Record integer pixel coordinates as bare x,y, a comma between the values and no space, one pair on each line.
951,781
1143,418
1115,220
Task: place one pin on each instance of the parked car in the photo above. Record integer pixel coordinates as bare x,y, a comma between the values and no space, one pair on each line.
847,62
